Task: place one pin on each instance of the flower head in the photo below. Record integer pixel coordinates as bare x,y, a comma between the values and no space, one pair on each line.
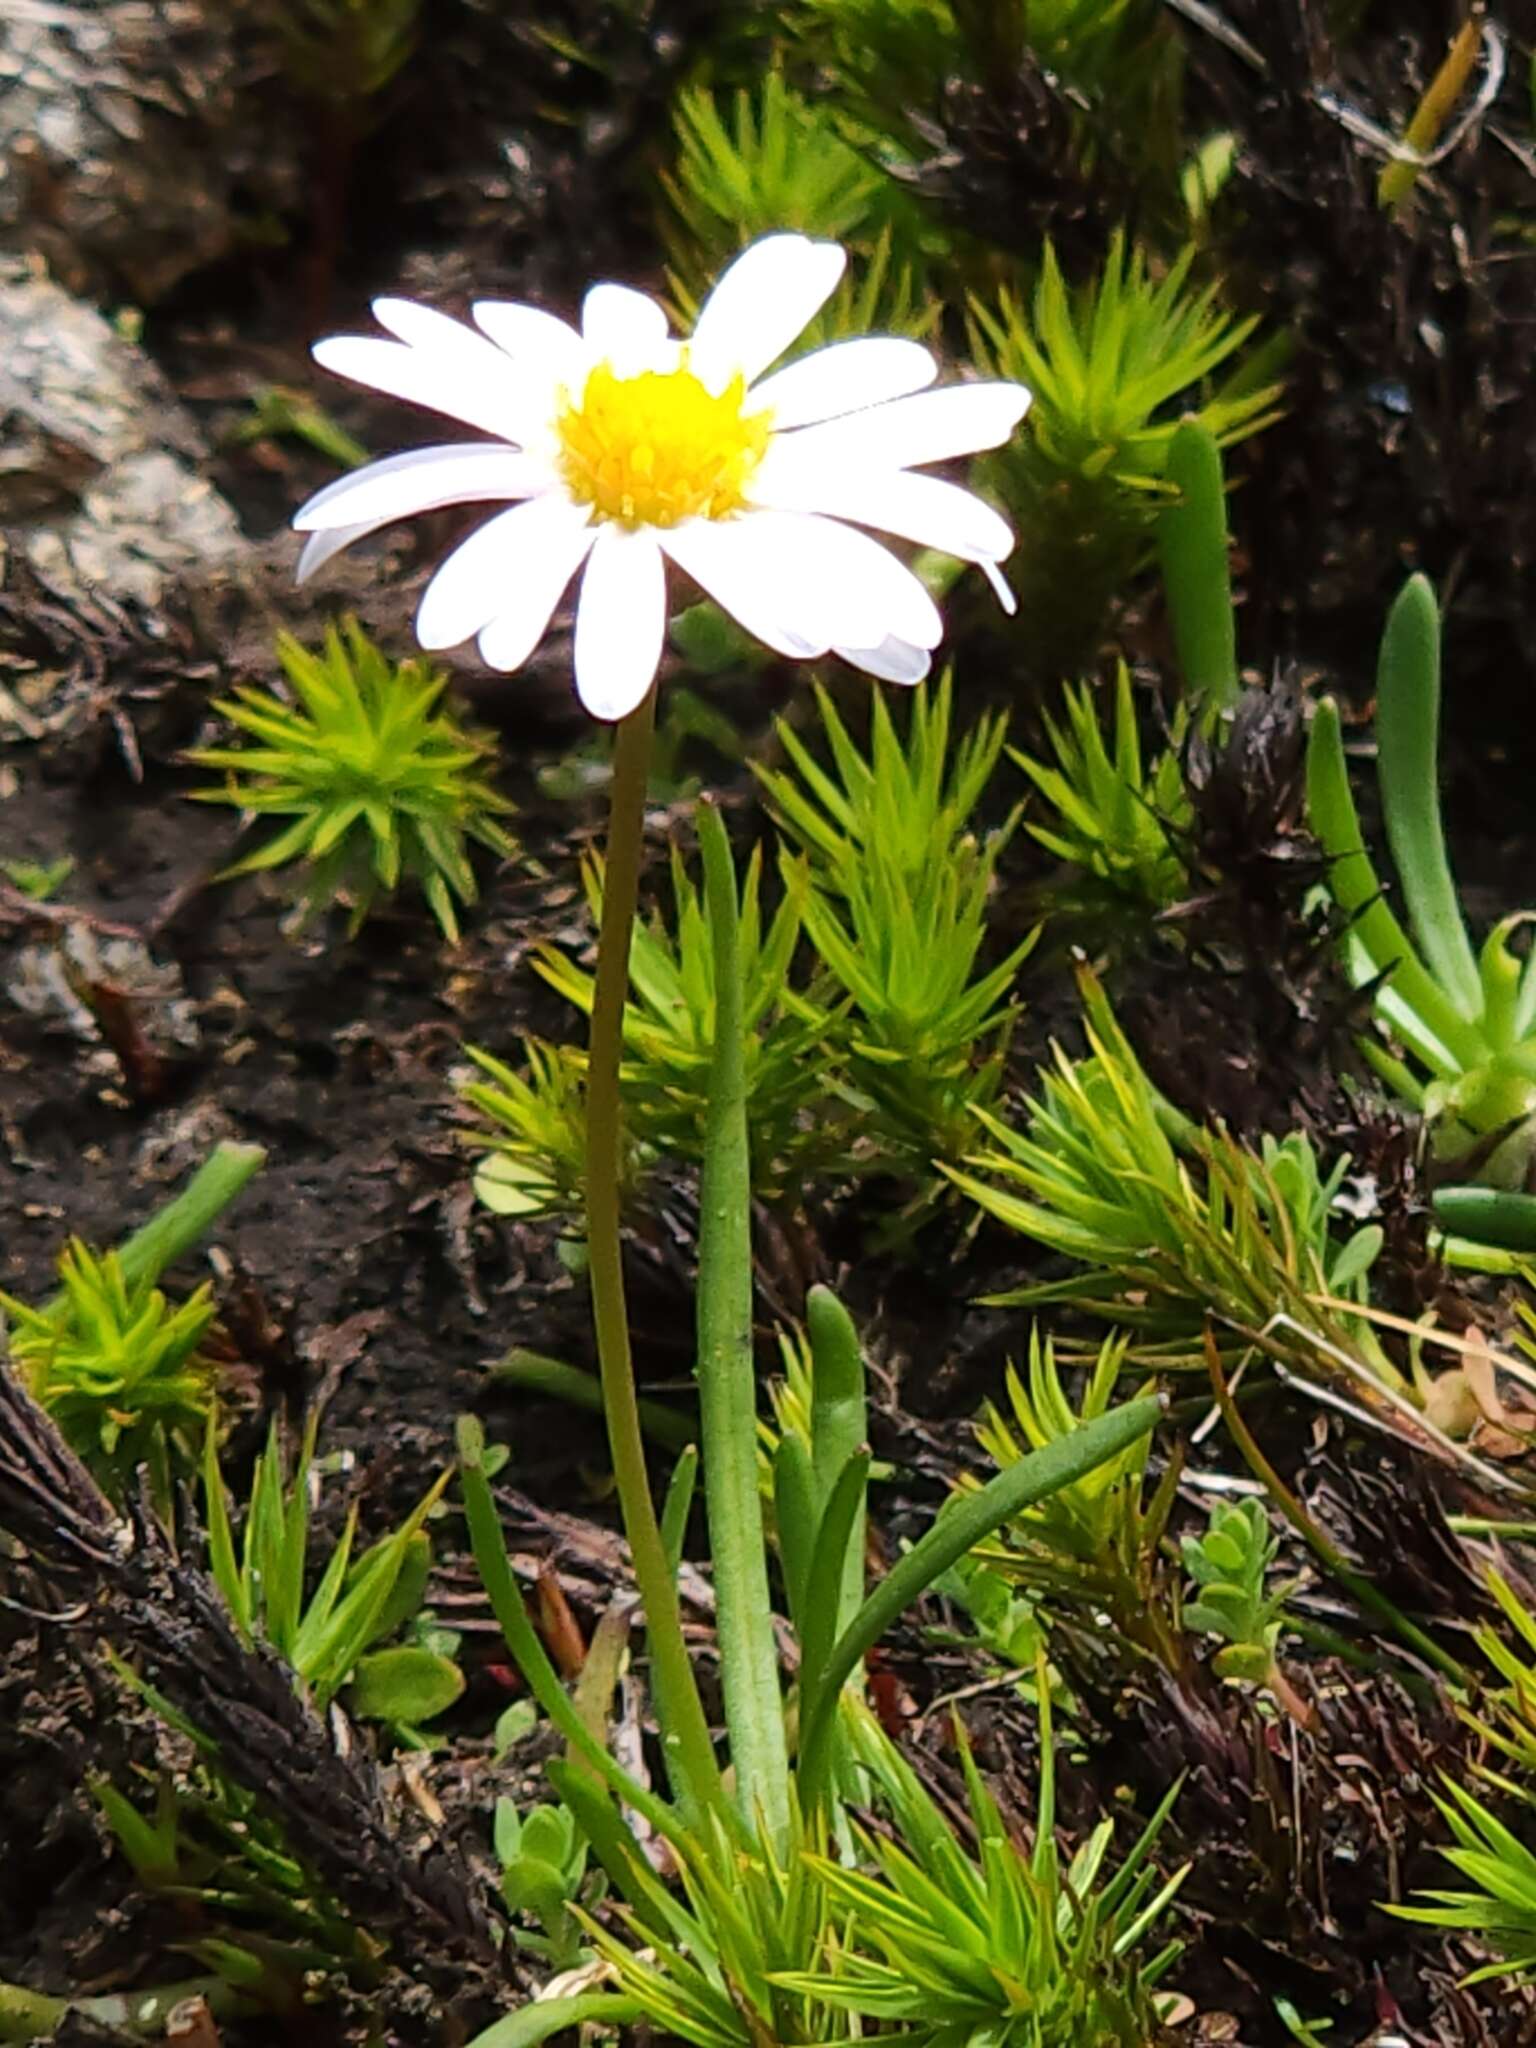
621,448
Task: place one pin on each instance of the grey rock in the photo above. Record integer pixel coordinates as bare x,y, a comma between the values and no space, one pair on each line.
98,480
127,128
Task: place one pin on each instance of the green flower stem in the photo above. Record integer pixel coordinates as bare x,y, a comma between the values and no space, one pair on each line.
965,1522
171,1233
749,1661
691,1766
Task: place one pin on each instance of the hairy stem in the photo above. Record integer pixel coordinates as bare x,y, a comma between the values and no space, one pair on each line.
691,1766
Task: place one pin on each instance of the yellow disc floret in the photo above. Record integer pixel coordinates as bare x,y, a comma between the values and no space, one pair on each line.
659,448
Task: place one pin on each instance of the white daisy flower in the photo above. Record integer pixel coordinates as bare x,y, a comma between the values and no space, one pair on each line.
623,448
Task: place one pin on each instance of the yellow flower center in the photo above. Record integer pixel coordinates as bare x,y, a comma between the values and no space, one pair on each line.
659,448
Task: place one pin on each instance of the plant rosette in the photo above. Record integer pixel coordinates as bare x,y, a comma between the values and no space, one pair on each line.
621,449
1457,1034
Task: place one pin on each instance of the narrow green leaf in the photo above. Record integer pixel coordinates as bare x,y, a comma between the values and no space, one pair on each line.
222,1562
1386,947
826,1579
727,1382
1408,769
839,1423
964,1524
533,2024
410,1585
795,1517
310,1650
528,1653
678,1505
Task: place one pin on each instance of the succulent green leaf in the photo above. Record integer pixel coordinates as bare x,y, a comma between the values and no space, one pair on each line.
405,1687
1407,750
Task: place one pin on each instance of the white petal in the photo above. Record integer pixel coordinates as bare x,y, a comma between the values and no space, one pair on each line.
823,583
422,480
529,334
720,556
625,328
863,592
526,389
424,327
893,661
480,579
321,548
919,508
486,392
1002,589
522,394
620,622
760,304
543,571
845,377
931,426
